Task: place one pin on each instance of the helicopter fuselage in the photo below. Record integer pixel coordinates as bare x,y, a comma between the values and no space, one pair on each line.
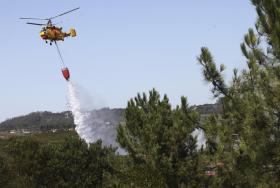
53,33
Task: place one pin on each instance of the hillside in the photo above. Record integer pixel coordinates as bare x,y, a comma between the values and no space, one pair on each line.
45,121
39,121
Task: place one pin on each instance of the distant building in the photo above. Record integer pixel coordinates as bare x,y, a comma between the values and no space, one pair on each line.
13,131
25,131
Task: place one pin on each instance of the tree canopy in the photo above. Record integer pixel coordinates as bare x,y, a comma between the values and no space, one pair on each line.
246,135
160,138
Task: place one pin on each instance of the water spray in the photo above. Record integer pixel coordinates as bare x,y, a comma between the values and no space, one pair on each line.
89,125
80,118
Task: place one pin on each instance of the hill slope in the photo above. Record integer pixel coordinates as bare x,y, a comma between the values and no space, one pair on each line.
45,121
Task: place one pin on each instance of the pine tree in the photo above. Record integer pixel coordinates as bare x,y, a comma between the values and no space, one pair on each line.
71,163
160,139
246,136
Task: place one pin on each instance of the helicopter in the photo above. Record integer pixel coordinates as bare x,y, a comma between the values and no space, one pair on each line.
50,32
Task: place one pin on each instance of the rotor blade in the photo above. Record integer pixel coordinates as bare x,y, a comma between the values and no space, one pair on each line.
33,19
64,13
35,24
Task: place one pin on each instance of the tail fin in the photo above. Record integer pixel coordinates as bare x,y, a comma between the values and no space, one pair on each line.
72,32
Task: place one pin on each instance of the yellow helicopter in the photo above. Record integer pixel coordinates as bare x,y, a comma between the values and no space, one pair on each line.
50,32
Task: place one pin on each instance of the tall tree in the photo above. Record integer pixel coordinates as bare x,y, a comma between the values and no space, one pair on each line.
246,136
160,138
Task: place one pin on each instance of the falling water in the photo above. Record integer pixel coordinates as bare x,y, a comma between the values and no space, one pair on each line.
200,137
81,118
88,125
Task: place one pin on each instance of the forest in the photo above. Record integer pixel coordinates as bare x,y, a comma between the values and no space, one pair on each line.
243,141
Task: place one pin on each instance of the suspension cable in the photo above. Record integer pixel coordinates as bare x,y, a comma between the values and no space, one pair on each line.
59,54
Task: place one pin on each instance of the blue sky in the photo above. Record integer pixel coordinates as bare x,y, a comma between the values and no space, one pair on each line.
123,47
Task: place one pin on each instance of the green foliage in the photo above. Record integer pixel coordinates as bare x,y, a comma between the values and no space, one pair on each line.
268,23
159,138
71,163
211,74
246,136
5,173
138,175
